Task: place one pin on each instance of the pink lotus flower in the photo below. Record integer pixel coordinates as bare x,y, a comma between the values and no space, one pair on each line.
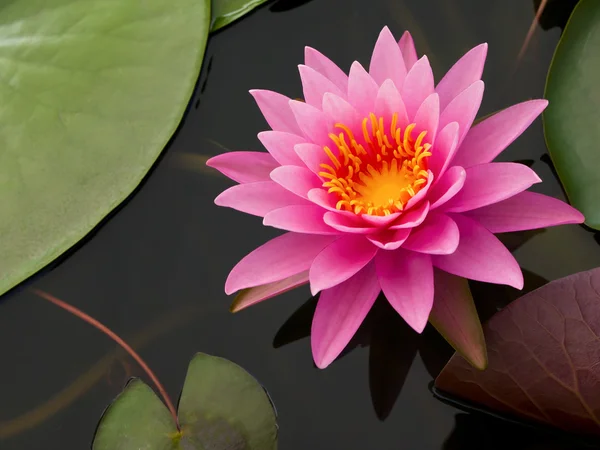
379,178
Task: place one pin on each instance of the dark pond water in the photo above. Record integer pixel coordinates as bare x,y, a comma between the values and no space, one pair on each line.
155,271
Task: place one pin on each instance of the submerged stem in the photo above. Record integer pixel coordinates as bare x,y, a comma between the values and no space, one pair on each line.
104,329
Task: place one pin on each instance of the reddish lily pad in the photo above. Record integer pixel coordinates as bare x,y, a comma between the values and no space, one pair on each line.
543,358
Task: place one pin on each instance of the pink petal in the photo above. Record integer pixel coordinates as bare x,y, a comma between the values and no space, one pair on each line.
437,235
315,86
298,180
465,72
300,219
282,257
421,194
389,239
347,224
388,102
455,317
418,86
323,199
312,155
251,296
463,109
490,183
281,146
412,218
312,122
480,256
446,145
427,118
339,261
362,90
409,52
448,186
244,167
258,198
406,280
386,61
339,110
275,108
339,313
487,139
525,211
379,221
323,65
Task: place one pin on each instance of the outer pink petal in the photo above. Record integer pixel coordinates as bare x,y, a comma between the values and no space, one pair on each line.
339,110
390,239
490,183
465,72
438,235
480,256
362,90
300,219
487,139
386,61
316,85
275,108
281,146
427,118
258,198
326,67
251,296
448,186
244,167
339,313
409,52
463,109
412,218
339,261
406,280
446,145
347,224
526,211
298,180
312,122
388,102
282,257
312,155
418,86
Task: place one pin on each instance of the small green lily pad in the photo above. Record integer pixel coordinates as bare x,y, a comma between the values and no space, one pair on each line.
222,407
571,121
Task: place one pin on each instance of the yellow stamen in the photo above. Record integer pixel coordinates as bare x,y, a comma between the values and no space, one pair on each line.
383,179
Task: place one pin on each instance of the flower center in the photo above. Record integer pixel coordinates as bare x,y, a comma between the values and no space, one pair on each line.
381,178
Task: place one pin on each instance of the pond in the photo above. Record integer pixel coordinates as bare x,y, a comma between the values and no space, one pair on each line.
154,272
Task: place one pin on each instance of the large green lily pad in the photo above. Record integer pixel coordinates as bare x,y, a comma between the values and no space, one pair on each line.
572,119
226,11
222,407
90,93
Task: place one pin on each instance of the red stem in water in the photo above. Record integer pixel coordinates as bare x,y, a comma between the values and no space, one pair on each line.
119,341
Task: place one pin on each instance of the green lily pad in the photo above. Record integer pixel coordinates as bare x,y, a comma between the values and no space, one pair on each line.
226,11
222,407
571,121
91,92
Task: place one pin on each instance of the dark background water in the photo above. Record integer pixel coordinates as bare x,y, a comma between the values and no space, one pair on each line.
154,273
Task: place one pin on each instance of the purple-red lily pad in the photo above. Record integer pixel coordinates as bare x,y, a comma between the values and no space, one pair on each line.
543,358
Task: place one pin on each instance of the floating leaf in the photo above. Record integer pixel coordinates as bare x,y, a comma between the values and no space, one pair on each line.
544,358
91,93
226,11
572,117
222,407
136,419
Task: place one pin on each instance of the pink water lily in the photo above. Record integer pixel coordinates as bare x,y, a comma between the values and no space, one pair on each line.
380,180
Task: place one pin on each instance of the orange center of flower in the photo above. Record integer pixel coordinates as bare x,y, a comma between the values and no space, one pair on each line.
381,178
